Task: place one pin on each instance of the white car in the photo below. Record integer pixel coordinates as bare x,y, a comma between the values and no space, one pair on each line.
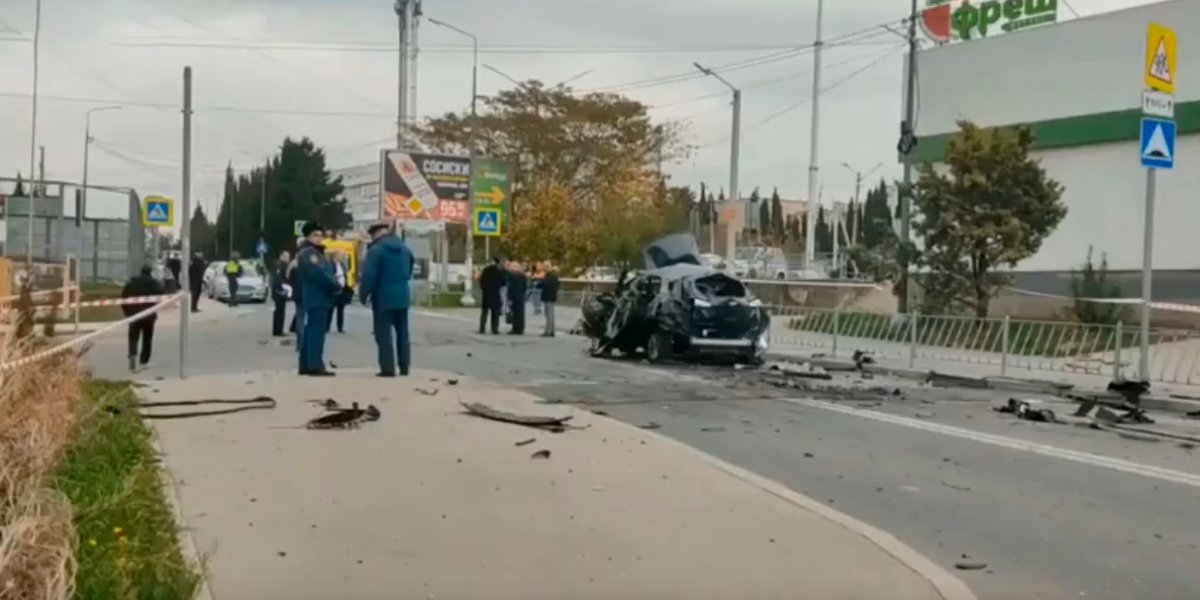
252,285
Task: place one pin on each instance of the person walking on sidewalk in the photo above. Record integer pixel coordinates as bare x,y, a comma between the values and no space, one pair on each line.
142,284
491,282
549,295
384,285
345,294
518,286
233,270
280,293
319,284
196,269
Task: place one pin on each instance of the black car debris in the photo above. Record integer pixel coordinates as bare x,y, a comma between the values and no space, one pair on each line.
678,309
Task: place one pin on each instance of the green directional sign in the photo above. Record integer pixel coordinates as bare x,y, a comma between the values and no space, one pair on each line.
491,187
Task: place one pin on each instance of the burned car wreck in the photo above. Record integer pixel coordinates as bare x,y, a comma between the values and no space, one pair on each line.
677,308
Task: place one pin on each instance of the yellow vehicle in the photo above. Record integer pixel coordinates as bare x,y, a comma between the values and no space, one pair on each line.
351,248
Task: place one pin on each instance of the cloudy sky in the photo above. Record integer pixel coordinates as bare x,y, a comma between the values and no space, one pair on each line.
266,69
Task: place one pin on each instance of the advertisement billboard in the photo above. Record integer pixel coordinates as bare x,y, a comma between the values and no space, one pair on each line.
425,187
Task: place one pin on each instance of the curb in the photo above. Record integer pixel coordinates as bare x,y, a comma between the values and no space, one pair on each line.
944,582
998,383
183,535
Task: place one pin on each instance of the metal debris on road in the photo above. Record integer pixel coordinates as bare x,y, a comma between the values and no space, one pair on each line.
256,403
425,392
650,425
344,418
806,370
451,382
712,429
924,415
970,565
1024,410
943,380
540,454
553,424
526,442
961,488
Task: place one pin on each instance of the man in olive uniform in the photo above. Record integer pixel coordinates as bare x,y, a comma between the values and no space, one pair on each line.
318,285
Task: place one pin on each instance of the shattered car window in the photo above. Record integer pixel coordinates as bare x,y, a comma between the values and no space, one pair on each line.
719,286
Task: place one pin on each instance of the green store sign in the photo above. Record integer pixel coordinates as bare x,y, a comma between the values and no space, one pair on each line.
970,21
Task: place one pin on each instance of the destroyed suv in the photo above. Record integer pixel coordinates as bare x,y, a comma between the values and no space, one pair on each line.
679,308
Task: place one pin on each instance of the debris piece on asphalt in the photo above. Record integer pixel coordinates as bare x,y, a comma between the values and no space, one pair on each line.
1136,437
451,382
808,455
943,380
1195,414
970,565
425,392
1024,410
553,424
599,413
869,404
540,454
650,425
281,553
1187,445
337,417
961,488
550,401
806,370
712,429
924,415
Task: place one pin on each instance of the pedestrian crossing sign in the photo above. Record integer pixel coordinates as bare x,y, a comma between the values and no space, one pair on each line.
1158,143
158,211
487,221
1162,58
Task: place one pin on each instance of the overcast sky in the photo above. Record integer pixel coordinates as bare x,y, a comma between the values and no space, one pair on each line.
253,57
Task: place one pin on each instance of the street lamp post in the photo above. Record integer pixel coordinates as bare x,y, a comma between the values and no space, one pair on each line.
467,298
859,176
87,143
734,144
814,200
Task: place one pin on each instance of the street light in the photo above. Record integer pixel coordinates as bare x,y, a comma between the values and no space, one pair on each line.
87,143
734,144
858,179
467,298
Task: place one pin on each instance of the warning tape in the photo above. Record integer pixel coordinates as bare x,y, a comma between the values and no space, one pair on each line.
1171,306
122,301
10,299
170,299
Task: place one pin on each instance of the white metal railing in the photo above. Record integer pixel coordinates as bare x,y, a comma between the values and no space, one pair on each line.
1002,343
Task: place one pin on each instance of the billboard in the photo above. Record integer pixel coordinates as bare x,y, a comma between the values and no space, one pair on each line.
425,187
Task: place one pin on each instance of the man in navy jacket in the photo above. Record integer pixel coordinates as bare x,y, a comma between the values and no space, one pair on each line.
317,284
384,285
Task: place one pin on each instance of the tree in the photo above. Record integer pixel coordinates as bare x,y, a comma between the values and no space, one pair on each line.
991,210
764,219
299,187
1092,282
876,224
824,240
201,231
777,218
551,228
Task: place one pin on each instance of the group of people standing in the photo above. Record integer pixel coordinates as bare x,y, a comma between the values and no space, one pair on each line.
317,283
505,288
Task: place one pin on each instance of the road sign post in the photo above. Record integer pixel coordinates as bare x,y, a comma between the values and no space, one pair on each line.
1157,151
485,222
158,211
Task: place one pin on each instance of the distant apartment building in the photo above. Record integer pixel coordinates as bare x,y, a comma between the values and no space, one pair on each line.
360,185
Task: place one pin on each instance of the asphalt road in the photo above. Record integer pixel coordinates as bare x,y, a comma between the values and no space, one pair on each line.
1055,511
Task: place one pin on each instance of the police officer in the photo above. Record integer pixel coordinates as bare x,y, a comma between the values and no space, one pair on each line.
233,270
318,286
384,284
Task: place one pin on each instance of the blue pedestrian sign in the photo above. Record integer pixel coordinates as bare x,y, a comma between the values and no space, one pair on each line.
158,211
1158,143
486,221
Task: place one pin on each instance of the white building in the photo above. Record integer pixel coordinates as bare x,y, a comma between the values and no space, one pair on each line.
361,192
1078,85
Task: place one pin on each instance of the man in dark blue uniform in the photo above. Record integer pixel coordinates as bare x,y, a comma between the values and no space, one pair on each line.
318,284
384,284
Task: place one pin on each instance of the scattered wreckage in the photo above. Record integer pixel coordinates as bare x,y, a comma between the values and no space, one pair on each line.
678,308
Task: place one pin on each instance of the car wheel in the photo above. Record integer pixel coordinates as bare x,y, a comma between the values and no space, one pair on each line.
658,347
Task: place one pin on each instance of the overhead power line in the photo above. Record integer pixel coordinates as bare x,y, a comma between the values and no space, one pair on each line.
200,109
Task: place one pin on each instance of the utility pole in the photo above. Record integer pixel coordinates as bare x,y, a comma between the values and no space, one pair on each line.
908,143
185,234
735,138
37,29
262,205
401,7
814,145
858,179
414,44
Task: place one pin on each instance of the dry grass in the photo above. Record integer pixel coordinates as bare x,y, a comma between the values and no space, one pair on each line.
37,553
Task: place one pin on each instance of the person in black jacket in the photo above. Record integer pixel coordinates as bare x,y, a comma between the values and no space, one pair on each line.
196,269
518,286
174,266
549,291
279,293
142,284
491,282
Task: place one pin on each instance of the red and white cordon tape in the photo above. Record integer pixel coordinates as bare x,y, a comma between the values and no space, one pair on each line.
11,299
1172,306
167,300
122,301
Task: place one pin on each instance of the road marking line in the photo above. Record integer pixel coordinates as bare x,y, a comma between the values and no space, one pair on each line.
1087,458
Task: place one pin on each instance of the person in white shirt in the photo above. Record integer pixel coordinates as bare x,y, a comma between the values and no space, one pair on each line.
345,296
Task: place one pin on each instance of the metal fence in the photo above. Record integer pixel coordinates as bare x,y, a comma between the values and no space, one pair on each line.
1002,343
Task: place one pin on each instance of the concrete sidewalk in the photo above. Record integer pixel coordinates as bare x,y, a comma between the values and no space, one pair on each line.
429,502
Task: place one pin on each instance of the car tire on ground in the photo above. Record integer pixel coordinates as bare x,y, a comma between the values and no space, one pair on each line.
658,347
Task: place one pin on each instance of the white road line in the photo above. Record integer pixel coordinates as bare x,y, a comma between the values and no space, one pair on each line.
1086,458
